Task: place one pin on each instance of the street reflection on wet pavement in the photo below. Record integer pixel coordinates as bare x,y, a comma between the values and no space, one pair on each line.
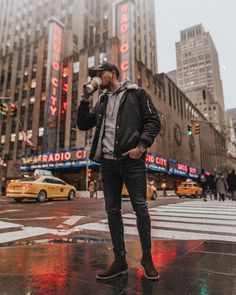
186,267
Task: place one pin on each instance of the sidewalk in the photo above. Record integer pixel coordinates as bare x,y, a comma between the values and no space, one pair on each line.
186,268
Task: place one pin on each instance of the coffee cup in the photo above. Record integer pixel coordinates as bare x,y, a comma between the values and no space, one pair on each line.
93,85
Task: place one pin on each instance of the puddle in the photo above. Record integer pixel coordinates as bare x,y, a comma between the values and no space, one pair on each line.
78,240
56,241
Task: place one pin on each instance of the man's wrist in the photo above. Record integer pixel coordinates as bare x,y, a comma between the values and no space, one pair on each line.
142,148
84,98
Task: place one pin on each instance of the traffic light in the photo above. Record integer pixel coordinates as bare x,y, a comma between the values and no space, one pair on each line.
197,128
190,129
4,108
13,110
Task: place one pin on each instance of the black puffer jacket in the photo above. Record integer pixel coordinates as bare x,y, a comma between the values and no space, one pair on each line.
137,123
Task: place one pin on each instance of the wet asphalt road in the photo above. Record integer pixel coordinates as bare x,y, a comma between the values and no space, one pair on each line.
65,261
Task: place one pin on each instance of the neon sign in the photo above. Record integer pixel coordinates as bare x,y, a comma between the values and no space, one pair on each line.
55,157
124,21
53,81
155,162
178,168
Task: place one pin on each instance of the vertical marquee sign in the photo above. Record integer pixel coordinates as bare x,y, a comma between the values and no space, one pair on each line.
53,85
123,14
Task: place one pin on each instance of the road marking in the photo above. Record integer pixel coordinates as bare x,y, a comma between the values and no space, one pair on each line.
72,220
189,220
4,225
37,218
27,232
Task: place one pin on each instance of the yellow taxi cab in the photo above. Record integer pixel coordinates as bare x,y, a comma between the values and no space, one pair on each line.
39,188
151,192
189,189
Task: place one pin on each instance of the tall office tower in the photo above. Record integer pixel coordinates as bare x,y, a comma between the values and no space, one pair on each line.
198,68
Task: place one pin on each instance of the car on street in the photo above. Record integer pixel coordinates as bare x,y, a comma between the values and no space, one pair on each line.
151,192
189,189
40,188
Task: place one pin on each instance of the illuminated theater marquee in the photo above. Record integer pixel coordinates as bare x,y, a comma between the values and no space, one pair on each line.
155,162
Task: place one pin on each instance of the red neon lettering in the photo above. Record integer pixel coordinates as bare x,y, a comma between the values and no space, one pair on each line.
67,156
55,65
53,110
124,28
55,82
53,99
50,158
78,155
124,19
124,8
56,47
44,158
65,106
124,48
57,157
125,65
65,87
54,91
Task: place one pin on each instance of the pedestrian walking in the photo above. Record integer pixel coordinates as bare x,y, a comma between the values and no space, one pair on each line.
211,185
202,180
231,180
95,189
221,186
91,189
126,125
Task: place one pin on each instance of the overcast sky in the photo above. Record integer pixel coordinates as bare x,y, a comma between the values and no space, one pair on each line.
217,17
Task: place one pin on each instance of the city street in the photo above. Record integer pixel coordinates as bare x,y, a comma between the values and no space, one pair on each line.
57,248
31,221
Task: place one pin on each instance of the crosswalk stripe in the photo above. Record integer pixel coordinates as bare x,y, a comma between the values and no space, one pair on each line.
27,232
5,225
193,216
187,220
219,212
193,208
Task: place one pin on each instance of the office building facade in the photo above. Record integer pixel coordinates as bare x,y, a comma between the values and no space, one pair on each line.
198,71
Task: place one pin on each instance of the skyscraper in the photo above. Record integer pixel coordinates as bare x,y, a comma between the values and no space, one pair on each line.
198,69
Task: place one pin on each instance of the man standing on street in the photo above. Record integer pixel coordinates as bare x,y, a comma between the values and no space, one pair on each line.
126,125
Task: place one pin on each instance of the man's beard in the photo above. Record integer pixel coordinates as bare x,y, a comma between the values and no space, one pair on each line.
107,86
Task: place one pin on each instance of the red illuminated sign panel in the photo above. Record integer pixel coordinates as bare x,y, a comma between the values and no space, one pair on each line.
56,70
156,163
53,82
57,157
124,25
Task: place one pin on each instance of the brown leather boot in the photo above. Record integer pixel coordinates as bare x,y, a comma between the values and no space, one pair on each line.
117,268
148,267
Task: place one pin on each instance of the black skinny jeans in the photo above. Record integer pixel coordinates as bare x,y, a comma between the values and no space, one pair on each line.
132,172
